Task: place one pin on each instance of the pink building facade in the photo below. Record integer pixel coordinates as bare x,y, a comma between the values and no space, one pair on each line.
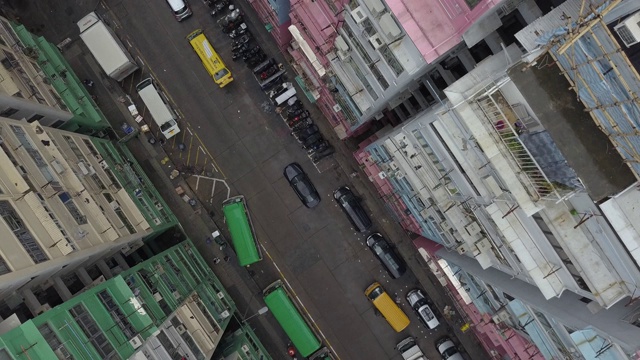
309,33
437,26
500,340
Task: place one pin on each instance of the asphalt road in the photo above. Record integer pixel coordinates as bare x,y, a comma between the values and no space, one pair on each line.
232,135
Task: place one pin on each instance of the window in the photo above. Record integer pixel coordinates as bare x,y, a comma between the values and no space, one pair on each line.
115,205
74,147
391,60
54,343
23,138
58,123
91,330
28,242
90,146
4,268
8,112
56,221
34,118
363,79
117,314
66,199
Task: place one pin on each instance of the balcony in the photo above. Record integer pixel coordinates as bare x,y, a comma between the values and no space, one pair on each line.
531,152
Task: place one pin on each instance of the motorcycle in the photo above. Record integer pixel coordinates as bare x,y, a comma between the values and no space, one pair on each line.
293,113
241,29
305,133
302,125
268,72
319,155
256,60
251,52
312,141
219,7
260,68
240,49
241,40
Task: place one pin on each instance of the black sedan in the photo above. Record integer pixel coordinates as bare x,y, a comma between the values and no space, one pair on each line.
384,252
301,184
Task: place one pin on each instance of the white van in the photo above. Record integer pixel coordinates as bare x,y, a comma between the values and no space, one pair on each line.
180,9
160,111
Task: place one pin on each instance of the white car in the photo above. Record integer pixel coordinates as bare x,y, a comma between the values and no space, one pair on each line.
418,302
447,349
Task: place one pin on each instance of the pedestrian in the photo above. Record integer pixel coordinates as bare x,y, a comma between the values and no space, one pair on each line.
88,82
227,258
216,260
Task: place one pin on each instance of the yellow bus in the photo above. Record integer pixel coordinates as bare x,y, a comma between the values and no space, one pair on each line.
210,59
387,307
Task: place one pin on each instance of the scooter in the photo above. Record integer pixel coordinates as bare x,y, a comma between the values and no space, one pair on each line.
240,49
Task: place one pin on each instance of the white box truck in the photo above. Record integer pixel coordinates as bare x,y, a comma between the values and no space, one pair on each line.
105,46
410,350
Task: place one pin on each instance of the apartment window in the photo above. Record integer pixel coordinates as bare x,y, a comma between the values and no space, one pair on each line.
115,205
90,146
58,123
363,79
186,337
34,118
369,29
117,314
207,314
91,330
4,268
391,60
8,112
168,345
56,221
42,165
74,147
113,179
187,265
66,199
384,84
28,242
357,45
54,342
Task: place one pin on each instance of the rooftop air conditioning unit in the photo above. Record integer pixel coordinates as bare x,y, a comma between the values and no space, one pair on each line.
629,30
225,314
358,14
399,175
181,329
376,41
104,165
245,349
157,221
382,175
220,295
114,205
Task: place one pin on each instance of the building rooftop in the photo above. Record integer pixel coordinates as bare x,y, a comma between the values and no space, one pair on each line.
586,148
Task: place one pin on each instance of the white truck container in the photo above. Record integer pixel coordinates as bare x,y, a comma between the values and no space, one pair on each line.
410,350
105,46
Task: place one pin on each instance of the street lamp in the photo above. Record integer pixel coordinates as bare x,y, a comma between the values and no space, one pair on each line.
261,311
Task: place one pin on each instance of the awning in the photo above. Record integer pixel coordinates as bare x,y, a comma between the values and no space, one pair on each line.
306,49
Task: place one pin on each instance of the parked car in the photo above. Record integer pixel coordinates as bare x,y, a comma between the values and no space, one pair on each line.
420,305
447,349
384,252
351,206
180,9
302,185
